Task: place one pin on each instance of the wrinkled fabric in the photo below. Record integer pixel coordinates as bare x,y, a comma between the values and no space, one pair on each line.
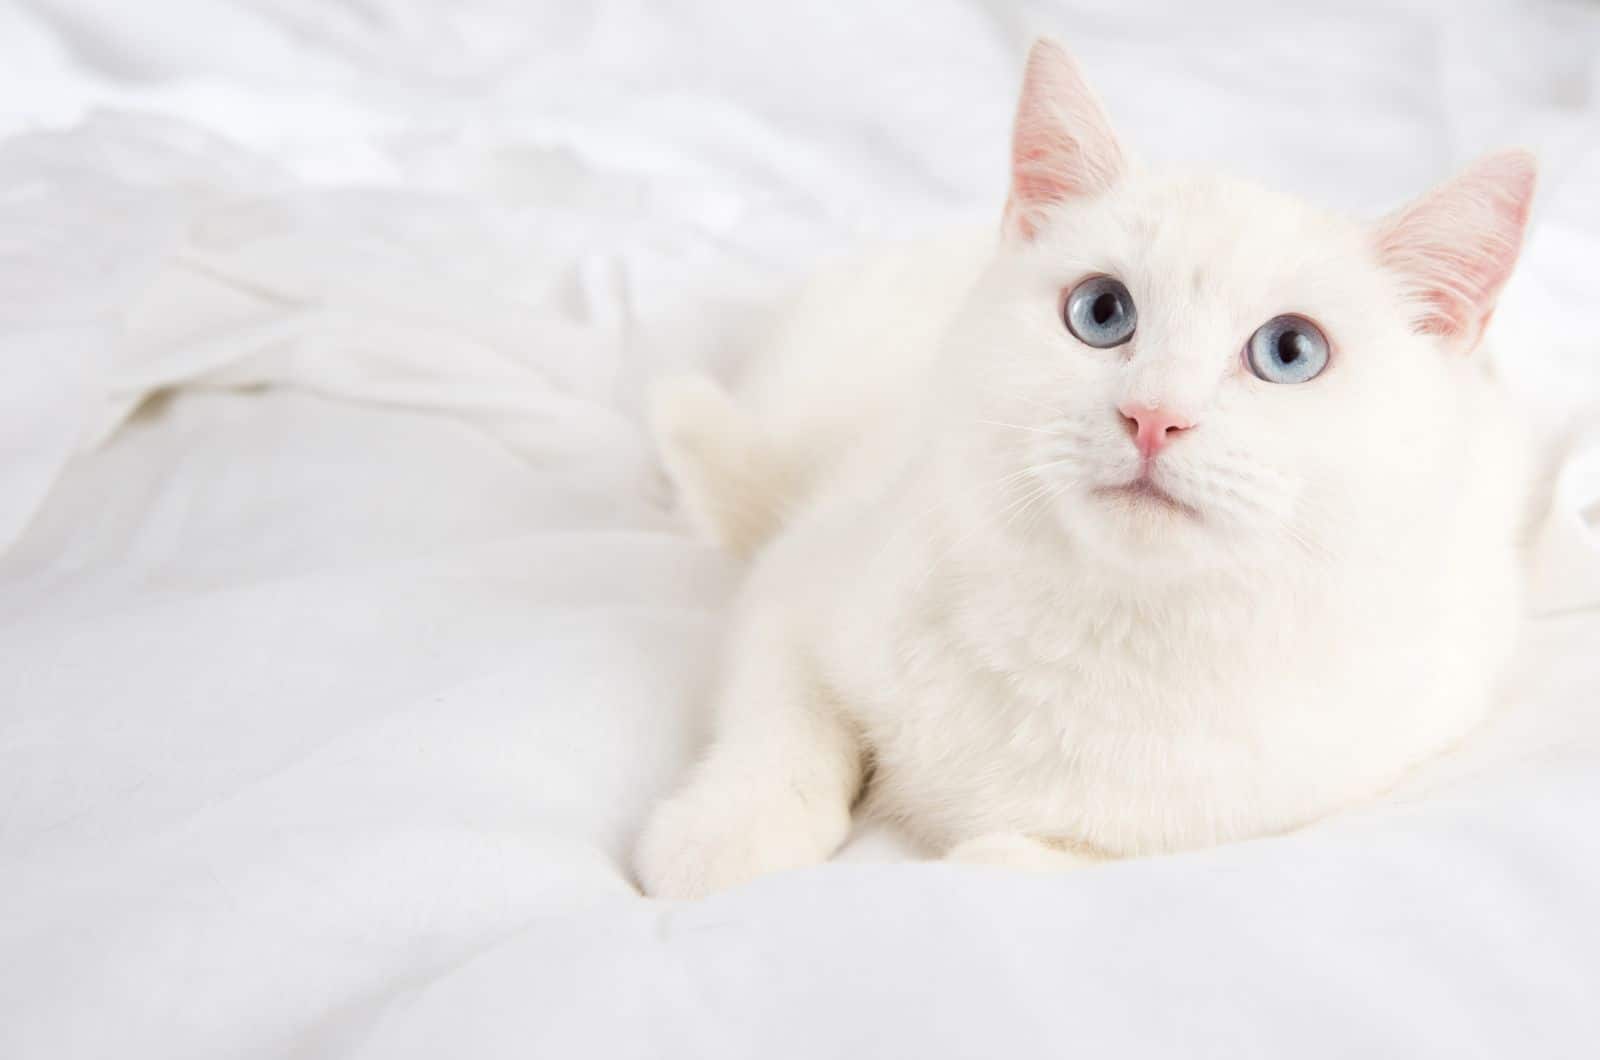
346,632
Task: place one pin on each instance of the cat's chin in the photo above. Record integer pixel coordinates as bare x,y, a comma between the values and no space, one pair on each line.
1140,523
1143,498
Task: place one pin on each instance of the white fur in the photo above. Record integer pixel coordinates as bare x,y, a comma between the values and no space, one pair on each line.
1024,671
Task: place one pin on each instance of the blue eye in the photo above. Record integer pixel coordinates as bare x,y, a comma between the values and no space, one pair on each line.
1287,349
1100,312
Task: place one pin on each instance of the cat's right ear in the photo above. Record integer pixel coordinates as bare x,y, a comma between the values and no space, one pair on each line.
1062,146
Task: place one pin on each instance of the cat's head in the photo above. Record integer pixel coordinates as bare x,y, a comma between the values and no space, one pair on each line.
1173,363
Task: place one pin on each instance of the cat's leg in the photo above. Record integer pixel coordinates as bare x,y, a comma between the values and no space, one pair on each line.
775,790
1012,850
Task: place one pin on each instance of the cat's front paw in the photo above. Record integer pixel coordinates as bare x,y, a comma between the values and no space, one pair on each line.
707,840
1011,850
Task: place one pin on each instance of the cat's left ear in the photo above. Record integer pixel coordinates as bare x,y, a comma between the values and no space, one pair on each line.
1062,146
1454,247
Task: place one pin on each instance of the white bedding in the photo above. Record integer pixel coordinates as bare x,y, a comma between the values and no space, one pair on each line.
346,632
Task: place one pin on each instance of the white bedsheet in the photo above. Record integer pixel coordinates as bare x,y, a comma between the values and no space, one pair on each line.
346,635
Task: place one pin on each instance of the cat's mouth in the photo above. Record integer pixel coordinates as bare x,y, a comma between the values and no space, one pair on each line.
1143,493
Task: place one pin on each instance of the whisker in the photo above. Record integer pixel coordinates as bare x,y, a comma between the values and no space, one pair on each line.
1038,489
1057,410
1019,427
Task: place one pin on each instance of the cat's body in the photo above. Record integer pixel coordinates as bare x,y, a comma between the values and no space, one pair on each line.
1046,632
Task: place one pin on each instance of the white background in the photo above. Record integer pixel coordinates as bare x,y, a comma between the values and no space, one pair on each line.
335,679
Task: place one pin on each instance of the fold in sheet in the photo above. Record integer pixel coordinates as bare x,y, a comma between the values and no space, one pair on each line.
346,635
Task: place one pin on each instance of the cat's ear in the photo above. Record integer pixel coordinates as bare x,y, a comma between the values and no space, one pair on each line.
1454,247
1062,146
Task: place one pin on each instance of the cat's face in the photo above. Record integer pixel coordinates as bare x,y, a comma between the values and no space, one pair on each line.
1182,366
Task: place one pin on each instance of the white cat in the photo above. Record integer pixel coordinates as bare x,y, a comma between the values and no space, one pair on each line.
1182,513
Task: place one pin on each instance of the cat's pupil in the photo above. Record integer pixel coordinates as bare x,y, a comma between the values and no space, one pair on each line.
1104,309
1291,345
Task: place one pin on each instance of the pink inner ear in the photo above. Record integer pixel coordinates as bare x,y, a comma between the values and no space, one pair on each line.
1062,145
1046,165
1455,247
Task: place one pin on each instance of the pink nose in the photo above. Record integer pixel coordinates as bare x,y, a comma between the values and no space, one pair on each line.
1152,429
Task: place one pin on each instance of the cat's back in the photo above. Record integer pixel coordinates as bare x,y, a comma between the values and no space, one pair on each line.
849,358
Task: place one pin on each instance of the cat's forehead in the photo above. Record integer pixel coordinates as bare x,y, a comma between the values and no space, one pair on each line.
1211,232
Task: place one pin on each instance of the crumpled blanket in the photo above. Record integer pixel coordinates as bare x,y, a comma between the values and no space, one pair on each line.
347,633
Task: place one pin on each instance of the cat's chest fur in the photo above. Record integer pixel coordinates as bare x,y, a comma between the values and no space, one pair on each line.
1018,698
